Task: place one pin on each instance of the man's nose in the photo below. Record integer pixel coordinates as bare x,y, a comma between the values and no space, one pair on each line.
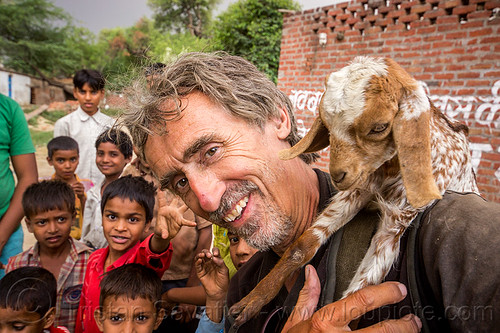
208,190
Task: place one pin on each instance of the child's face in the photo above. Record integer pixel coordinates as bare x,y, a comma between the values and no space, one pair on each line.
64,163
51,228
24,321
122,314
239,250
88,98
110,160
123,223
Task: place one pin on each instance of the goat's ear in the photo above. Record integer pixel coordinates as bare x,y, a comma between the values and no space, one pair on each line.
412,138
316,139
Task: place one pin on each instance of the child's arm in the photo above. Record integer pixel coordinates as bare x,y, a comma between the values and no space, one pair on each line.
168,222
214,277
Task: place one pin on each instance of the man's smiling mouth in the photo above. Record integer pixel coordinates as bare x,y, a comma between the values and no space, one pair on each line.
236,212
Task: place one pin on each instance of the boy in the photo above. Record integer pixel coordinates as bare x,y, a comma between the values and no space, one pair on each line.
130,300
214,276
32,311
127,210
49,207
113,152
86,122
63,155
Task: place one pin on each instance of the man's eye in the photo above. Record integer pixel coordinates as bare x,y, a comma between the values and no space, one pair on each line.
181,183
212,151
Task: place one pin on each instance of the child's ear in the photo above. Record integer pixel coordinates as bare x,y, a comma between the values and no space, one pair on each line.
50,161
99,320
159,317
29,224
49,318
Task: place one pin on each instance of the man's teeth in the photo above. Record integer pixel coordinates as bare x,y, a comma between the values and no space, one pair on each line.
237,210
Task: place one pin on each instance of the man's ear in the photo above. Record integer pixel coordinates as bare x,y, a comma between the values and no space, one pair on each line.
159,317
99,319
282,123
49,318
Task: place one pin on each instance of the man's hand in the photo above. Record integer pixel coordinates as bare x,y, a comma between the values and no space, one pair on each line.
335,317
169,220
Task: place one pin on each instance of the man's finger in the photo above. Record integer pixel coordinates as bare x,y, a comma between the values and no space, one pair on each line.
408,324
307,301
342,312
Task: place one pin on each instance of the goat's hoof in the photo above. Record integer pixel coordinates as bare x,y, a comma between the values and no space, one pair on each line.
246,309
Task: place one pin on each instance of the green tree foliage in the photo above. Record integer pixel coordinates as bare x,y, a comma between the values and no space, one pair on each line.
38,38
252,29
180,16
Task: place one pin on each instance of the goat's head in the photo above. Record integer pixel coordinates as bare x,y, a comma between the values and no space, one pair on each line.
371,111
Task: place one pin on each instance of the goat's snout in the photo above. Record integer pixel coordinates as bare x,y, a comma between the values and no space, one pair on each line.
338,176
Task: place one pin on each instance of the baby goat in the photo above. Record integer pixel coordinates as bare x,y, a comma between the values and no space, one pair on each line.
389,146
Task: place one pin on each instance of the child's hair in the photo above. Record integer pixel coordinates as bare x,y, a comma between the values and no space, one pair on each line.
48,195
92,77
134,189
32,289
155,68
132,281
119,138
61,143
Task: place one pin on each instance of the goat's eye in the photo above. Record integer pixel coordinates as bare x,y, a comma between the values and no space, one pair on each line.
378,128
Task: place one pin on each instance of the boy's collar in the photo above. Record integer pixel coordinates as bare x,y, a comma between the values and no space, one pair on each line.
84,116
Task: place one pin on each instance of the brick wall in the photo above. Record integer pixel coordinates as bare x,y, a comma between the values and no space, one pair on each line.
451,46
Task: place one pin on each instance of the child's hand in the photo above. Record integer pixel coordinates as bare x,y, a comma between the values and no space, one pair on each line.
79,190
170,217
213,274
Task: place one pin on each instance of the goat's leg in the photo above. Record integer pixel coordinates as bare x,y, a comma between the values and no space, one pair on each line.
382,253
340,211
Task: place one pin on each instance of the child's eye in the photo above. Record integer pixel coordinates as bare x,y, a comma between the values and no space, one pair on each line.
41,222
18,327
73,159
141,317
60,160
116,318
133,219
234,240
61,219
111,217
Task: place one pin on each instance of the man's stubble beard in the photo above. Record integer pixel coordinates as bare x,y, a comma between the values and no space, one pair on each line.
267,228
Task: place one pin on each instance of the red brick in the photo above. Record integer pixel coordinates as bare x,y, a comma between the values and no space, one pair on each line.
492,74
447,19
475,83
492,4
460,10
421,8
450,4
481,32
468,75
408,18
462,92
478,14
444,76
490,40
396,13
396,27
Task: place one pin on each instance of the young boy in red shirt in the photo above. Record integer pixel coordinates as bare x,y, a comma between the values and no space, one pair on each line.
127,210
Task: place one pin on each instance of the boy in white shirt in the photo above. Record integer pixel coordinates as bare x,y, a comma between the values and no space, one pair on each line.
87,122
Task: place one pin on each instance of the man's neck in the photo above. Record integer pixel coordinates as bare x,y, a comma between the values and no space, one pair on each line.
306,199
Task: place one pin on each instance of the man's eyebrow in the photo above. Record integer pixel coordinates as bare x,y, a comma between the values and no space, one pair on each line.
194,148
197,145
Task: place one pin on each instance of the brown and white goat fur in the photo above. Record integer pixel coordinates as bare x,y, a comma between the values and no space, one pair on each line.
389,146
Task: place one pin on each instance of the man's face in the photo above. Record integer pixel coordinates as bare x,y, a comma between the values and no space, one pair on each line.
226,170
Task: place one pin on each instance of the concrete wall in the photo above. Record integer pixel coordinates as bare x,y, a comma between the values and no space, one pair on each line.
451,46
21,86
